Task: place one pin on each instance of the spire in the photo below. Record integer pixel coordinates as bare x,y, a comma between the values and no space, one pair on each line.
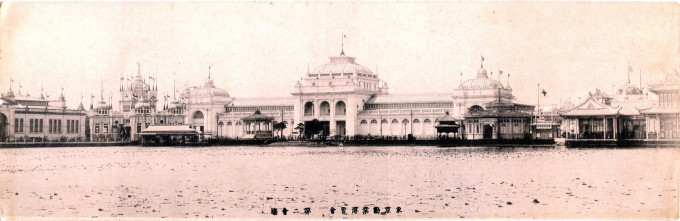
209,68
640,78
174,91
91,100
102,91
120,84
11,80
139,68
307,67
342,52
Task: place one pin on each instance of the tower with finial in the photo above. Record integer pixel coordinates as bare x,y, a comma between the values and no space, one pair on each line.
342,46
482,62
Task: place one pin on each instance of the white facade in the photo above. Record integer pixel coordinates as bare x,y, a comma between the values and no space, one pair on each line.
25,118
352,100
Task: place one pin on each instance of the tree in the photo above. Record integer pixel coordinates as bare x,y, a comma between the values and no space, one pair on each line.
122,132
87,129
300,128
280,126
313,127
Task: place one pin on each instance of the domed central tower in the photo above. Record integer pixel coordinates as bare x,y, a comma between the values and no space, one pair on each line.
481,81
335,92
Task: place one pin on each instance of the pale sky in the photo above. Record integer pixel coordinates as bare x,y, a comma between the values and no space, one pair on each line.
262,49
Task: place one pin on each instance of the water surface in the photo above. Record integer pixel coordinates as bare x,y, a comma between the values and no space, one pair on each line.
247,182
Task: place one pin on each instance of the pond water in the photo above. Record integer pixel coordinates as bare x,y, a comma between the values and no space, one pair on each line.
424,182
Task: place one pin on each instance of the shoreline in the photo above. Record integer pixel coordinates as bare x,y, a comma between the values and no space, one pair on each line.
367,143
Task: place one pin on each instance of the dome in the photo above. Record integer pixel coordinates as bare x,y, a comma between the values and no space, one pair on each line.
340,65
208,93
208,90
481,81
481,73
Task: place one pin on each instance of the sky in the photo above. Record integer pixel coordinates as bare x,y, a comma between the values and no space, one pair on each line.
261,49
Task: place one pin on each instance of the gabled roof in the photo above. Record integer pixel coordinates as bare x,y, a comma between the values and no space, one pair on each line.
591,107
630,108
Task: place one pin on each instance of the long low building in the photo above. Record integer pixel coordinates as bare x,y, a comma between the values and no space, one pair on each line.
25,118
347,98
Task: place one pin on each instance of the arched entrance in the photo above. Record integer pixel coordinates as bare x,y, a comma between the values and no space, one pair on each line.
488,131
198,121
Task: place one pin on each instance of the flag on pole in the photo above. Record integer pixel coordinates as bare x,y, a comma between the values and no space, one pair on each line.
544,93
344,35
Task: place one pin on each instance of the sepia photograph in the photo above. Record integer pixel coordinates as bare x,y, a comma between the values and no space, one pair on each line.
343,110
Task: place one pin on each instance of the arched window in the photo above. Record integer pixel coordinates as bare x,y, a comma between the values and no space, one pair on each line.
325,108
198,115
475,109
415,121
395,121
229,123
340,108
384,121
374,121
426,121
404,121
309,109
363,122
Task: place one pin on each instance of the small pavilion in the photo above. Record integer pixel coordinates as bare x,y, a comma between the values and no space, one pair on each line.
258,126
447,124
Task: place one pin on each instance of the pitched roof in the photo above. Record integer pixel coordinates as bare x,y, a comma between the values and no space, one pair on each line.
630,108
591,107
411,98
661,110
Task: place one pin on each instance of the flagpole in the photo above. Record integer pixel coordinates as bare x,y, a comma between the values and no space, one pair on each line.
538,101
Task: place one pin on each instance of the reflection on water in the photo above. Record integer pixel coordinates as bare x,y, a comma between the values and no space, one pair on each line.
470,182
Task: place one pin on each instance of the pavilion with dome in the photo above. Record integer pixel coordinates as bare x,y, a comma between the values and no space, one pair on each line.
348,98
